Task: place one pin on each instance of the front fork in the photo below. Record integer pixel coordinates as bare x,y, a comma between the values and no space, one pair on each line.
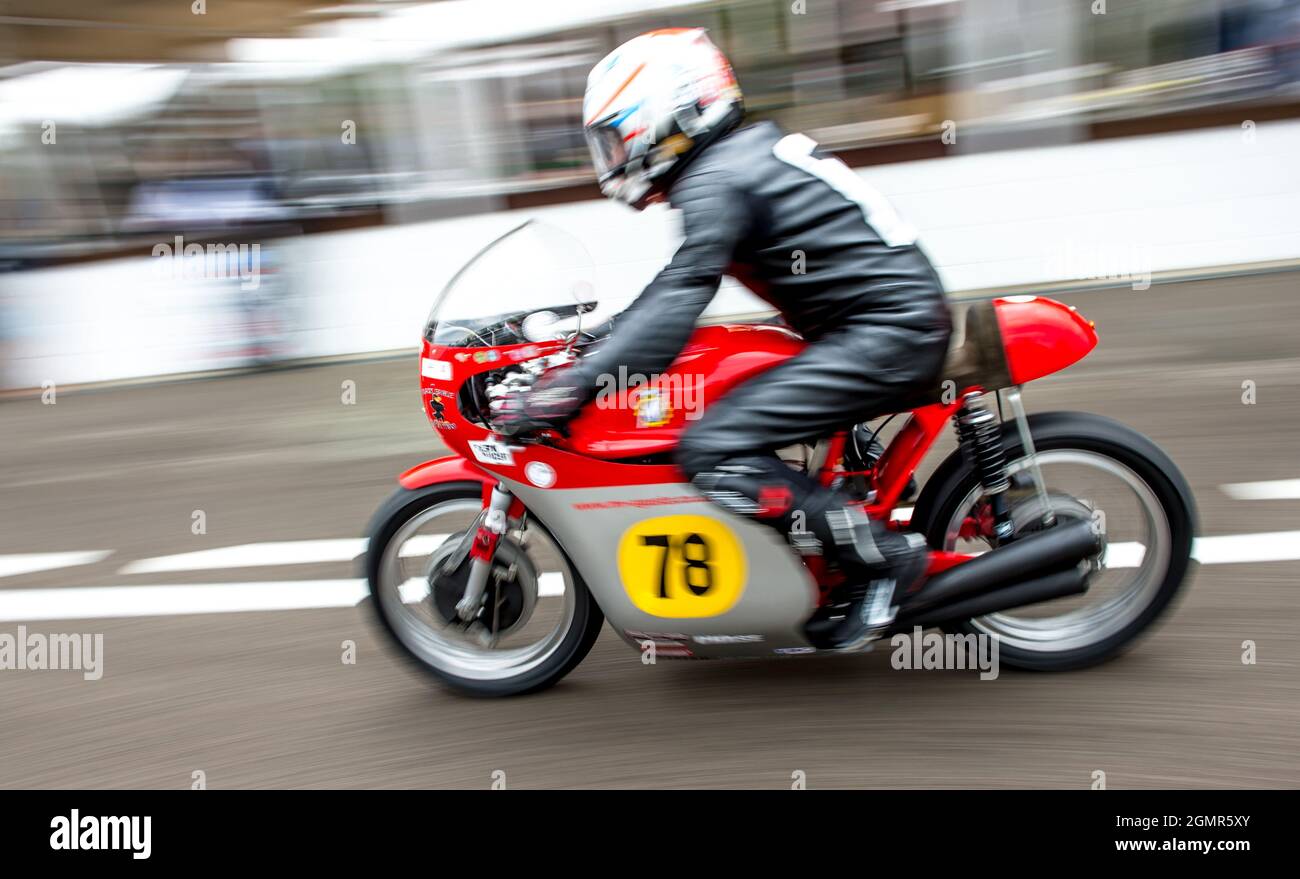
482,548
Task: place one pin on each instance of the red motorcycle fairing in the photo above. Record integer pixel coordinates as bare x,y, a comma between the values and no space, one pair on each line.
1041,336
638,416
569,470
452,468
618,424
443,371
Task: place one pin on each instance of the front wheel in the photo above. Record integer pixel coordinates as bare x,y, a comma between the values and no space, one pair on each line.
538,619
1095,468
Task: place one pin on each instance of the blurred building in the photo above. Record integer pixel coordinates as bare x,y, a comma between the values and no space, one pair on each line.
124,126
177,121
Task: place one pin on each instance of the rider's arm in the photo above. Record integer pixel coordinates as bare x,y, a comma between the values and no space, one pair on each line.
652,331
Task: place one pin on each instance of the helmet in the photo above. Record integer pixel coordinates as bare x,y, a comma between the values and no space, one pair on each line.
651,105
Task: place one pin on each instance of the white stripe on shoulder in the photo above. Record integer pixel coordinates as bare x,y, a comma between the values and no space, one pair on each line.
796,150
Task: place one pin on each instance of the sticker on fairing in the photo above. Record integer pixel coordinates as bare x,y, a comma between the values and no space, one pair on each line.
540,474
682,566
435,369
490,452
652,408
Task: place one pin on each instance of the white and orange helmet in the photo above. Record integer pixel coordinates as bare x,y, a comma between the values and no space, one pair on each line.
653,102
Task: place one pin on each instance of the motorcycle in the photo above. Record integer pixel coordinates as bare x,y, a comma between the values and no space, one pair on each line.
1062,534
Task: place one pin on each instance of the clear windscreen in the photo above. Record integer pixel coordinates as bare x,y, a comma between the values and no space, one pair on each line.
533,284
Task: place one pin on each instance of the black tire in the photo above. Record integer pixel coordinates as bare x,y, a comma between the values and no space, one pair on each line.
953,481
404,504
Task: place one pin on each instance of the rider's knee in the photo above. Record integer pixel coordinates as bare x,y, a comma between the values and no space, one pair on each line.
695,455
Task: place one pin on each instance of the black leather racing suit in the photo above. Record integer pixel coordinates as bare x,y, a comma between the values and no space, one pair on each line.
809,236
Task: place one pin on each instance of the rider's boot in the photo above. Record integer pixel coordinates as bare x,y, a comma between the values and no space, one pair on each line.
881,566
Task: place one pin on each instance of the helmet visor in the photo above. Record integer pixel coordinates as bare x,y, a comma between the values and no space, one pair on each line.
608,151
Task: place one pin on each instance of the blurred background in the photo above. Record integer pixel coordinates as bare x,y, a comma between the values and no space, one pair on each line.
290,123
1136,158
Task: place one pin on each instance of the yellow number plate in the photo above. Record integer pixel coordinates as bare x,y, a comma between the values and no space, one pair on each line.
682,566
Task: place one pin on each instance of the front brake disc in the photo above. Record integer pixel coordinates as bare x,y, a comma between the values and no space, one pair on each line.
509,598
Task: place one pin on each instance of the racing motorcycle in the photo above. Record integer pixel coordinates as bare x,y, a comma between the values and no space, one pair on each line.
1062,534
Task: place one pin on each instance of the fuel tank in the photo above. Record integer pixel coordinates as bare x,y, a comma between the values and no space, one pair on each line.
639,415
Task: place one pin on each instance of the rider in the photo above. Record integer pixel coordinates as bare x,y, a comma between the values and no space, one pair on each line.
663,120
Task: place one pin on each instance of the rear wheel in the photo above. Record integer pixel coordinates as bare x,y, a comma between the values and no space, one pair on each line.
538,620
1093,468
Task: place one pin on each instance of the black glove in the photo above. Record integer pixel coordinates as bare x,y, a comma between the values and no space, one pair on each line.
548,404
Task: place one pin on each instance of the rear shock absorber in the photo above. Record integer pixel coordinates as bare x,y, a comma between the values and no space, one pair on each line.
979,433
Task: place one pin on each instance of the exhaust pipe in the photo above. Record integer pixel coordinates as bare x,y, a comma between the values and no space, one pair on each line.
1071,581
1030,556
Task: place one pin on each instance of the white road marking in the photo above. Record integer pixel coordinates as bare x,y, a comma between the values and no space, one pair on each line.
421,544
416,589
285,552
1125,554
1274,546
1271,490
1222,549
550,585
108,602
105,602
27,563
252,555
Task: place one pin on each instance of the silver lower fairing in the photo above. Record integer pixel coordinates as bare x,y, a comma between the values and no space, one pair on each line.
777,596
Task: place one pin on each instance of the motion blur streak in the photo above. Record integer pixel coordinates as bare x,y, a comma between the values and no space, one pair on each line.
167,192
349,157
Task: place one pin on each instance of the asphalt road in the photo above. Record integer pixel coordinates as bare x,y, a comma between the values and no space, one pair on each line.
262,699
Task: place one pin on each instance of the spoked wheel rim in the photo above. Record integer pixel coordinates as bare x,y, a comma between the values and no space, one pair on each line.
1103,613
403,586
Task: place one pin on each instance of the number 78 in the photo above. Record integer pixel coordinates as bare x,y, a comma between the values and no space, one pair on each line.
692,559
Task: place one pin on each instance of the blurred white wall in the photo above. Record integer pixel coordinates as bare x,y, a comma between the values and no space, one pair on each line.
1209,198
